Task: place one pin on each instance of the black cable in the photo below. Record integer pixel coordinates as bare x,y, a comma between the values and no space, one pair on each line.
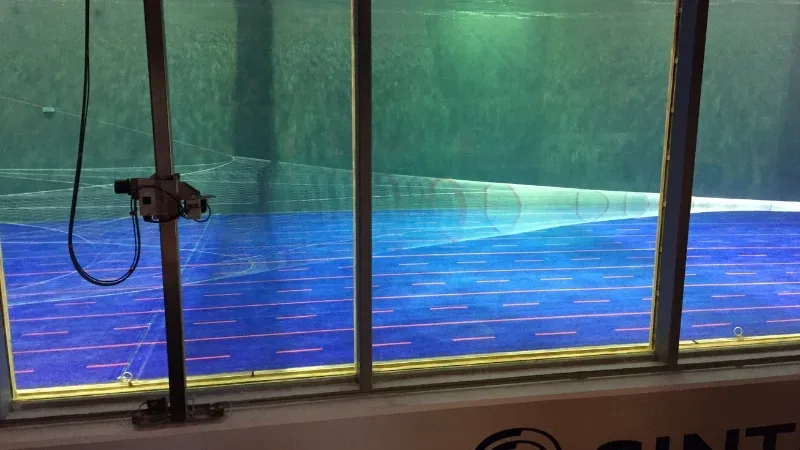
78,166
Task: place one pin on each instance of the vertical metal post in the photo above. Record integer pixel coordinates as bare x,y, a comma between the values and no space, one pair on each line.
361,24
683,112
6,363
5,377
170,260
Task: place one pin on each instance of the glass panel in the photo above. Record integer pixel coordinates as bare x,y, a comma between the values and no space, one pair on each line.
260,97
64,331
742,275
517,154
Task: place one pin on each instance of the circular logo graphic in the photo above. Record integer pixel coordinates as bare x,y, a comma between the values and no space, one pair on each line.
520,439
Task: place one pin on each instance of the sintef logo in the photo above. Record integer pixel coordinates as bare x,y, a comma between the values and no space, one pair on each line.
531,438
519,438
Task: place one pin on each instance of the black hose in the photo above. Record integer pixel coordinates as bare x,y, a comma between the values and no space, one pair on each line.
78,167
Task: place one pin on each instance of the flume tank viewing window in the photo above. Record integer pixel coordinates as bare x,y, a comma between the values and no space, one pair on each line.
410,187
741,269
268,281
517,155
66,334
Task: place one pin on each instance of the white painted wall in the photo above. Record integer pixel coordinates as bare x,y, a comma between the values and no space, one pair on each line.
581,415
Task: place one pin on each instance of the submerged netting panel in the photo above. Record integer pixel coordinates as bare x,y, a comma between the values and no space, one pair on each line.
253,186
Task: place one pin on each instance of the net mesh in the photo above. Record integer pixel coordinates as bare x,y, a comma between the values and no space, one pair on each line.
463,209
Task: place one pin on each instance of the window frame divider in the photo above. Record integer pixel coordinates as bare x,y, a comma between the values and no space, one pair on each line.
168,231
7,382
361,94
683,110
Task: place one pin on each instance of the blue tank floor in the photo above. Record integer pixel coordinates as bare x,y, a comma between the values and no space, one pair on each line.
275,291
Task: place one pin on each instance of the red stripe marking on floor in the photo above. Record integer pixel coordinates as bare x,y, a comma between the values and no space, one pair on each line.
204,358
259,305
306,316
405,296
224,283
19,372
157,311
451,272
480,338
741,308
67,272
632,329
103,366
521,304
45,333
232,294
213,322
413,325
707,325
88,316
442,308
513,319
135,327
556,333
74,303
388,344
301,350
217,338
91,291
382,311
395,256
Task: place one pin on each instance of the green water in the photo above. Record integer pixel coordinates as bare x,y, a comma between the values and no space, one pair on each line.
563,93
